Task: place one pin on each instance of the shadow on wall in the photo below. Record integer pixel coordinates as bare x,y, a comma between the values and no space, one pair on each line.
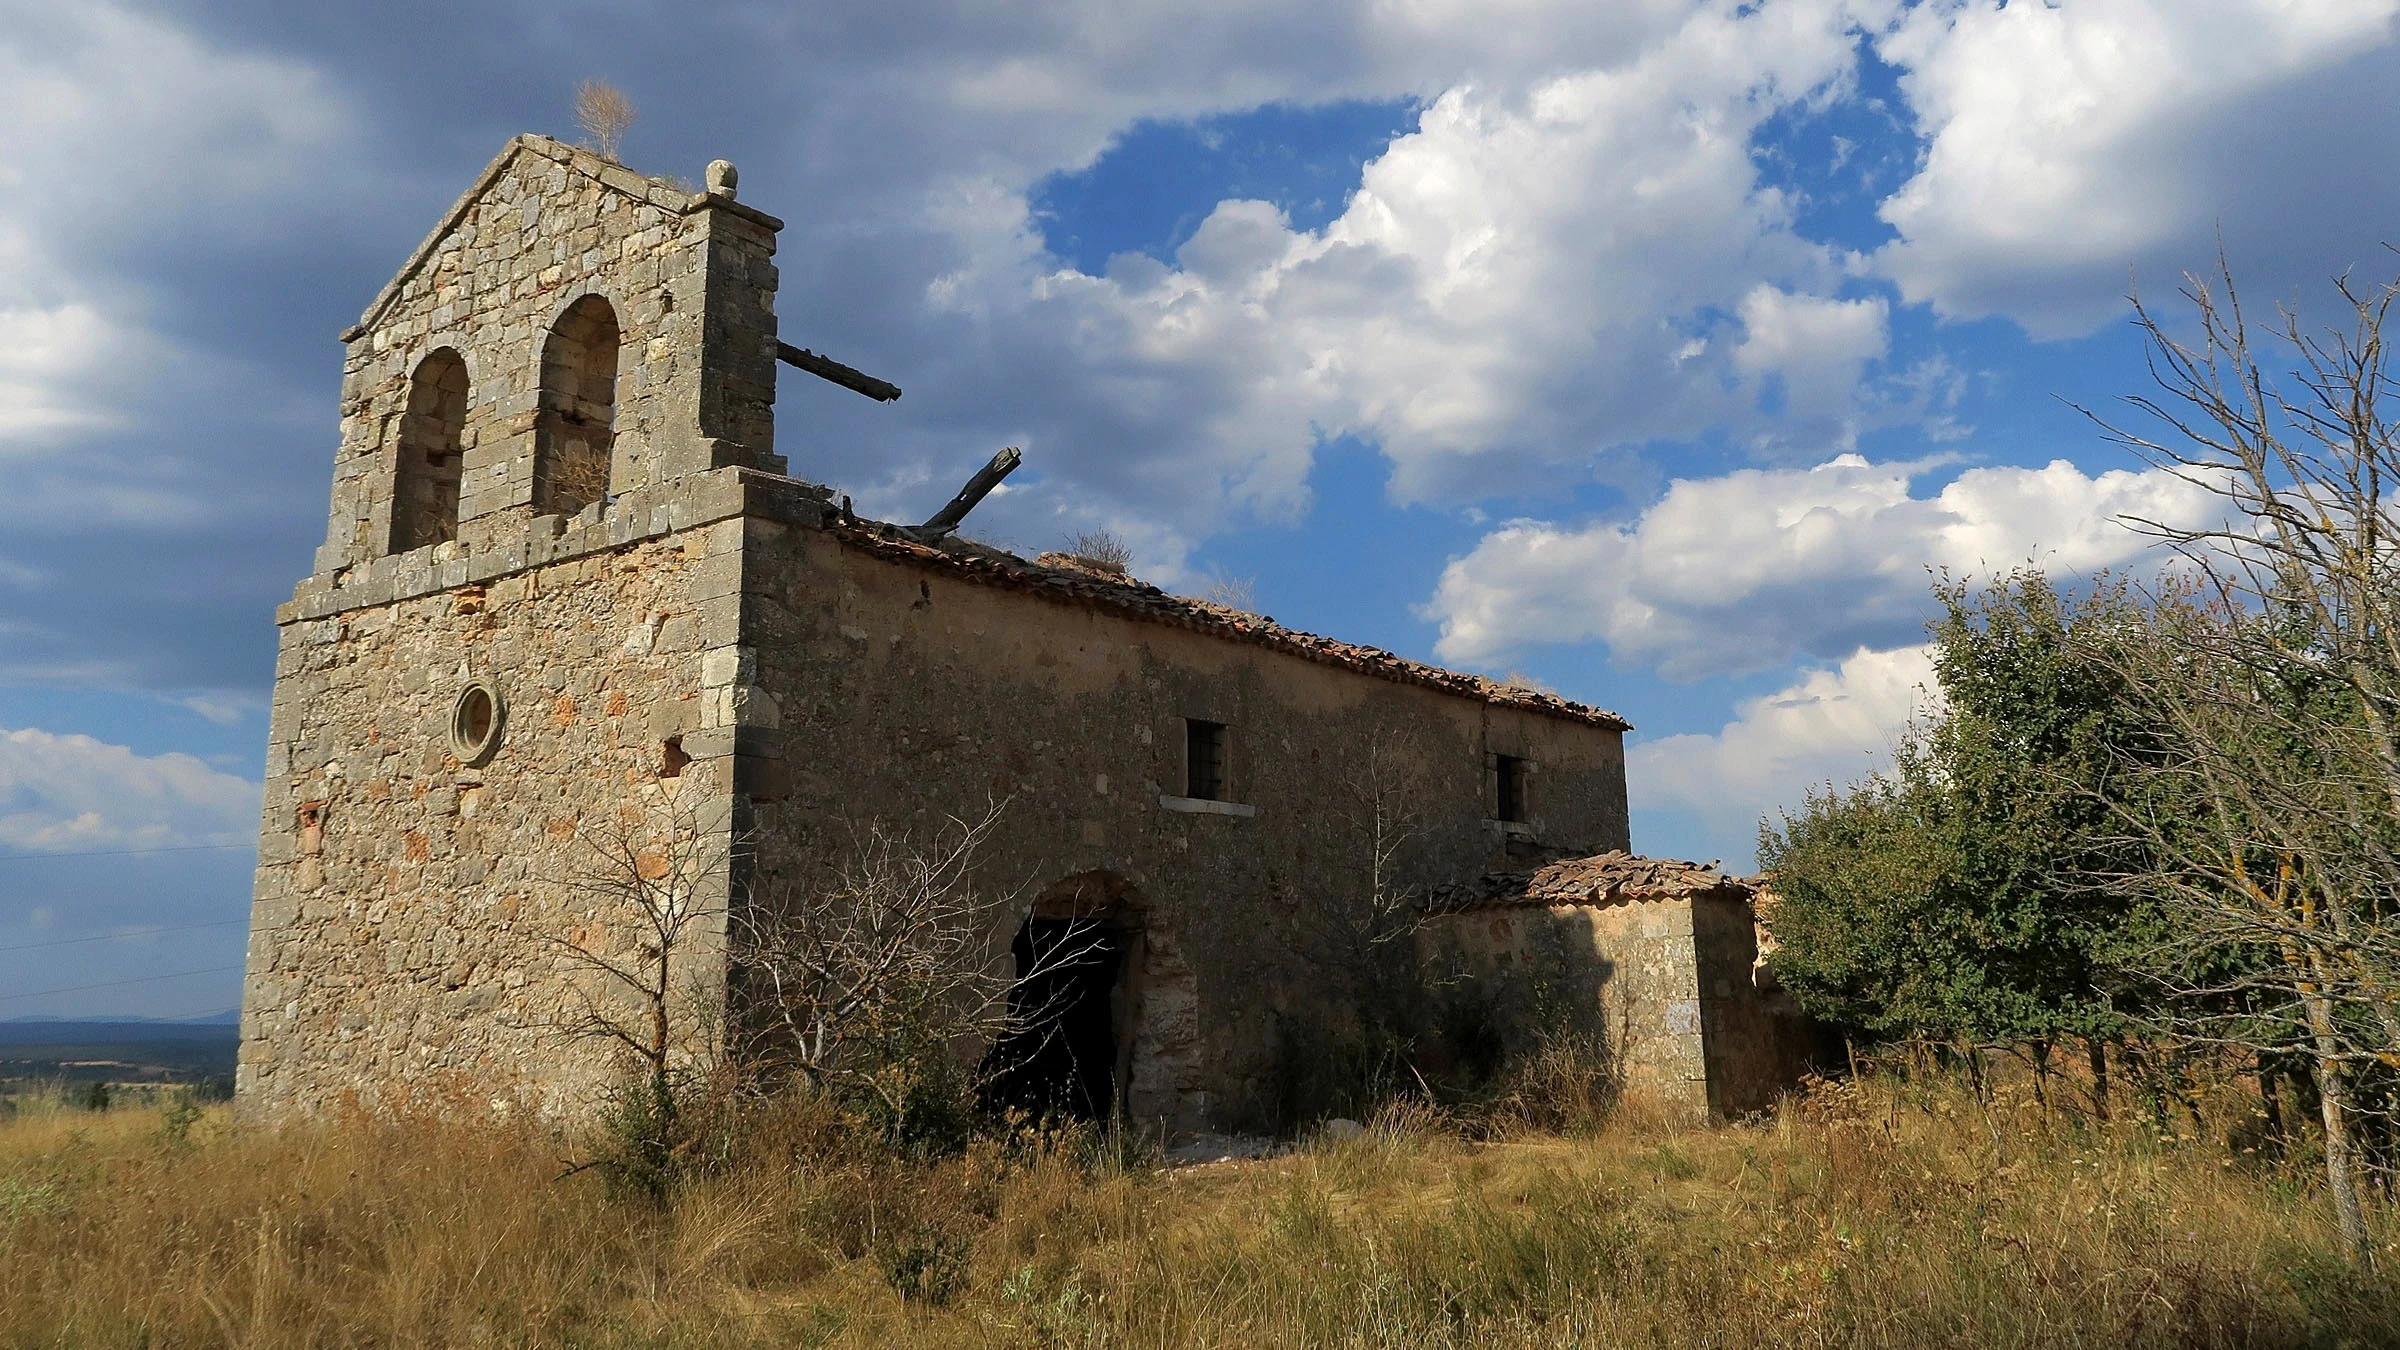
1667,988
1526,1021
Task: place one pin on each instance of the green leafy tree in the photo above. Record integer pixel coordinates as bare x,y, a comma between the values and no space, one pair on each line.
1863,942
1965,895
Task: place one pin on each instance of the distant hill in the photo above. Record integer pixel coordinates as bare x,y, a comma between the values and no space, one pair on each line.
66,1032
123,1049
14,1029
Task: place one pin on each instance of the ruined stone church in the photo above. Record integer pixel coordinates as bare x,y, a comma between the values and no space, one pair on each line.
567,576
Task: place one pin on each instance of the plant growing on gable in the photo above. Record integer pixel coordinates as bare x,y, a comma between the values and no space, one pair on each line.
605,114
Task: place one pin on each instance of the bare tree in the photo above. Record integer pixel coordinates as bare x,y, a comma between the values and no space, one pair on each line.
652,888
897,957
2259,841
2270,809
1361,939
605,114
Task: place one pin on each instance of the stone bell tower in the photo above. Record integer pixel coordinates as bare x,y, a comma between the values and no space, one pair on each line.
536,523
571,331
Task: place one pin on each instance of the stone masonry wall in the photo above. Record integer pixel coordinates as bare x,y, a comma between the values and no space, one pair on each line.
907,694
1759,1043
1667,982
409,908
690,279
1628,973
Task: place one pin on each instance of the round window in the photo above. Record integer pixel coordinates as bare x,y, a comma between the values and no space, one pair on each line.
475,723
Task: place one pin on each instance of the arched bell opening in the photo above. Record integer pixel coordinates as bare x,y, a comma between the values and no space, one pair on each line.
425,490
1074,1003
574,430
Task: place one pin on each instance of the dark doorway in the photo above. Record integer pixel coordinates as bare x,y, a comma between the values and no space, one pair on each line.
1058,1059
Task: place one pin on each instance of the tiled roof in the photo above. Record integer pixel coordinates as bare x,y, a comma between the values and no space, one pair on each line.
1065,578
1606,879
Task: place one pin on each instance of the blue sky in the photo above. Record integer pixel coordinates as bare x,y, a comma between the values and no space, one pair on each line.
1655,350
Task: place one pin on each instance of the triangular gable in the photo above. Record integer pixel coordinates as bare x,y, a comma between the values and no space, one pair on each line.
665,196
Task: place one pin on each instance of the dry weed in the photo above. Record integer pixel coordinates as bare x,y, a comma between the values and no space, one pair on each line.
1886,1213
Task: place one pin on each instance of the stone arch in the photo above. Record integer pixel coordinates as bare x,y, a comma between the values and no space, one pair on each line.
1098,895
1076,958
426,478
574,429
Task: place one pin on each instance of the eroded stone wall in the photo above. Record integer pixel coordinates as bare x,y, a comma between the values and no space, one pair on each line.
1626,975
410,909
1759,1044
689,281
1668,984
905,695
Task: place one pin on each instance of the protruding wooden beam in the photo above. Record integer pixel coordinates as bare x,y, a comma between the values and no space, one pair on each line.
826,368
986,478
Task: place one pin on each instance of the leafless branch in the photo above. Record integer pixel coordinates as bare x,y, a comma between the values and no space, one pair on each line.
898,954
2269,807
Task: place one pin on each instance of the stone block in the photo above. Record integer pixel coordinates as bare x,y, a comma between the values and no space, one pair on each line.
713,577
727,665
720,620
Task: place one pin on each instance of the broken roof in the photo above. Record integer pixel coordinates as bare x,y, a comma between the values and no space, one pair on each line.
1610,878
1063,578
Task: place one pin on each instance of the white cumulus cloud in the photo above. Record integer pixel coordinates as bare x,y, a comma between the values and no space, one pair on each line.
1748,571
1545,269
1832,725
2066,144
1815,346
72,793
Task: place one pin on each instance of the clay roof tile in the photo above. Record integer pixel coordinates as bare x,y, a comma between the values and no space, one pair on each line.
1608,878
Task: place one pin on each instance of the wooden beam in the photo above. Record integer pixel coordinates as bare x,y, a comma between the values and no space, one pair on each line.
946,520
826,368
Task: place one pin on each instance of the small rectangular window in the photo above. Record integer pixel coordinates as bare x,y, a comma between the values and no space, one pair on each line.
1510,788
1204,760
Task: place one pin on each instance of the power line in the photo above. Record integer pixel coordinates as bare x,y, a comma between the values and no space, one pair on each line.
113,984
117,852
111,937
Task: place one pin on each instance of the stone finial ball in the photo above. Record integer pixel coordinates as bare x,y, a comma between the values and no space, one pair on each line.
722,177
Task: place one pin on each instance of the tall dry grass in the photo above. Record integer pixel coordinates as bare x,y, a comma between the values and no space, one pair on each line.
1881,1214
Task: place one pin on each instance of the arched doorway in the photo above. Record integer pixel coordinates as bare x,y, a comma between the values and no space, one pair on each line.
1073,1004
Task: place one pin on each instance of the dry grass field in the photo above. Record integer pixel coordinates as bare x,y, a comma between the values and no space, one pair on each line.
1880,1214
